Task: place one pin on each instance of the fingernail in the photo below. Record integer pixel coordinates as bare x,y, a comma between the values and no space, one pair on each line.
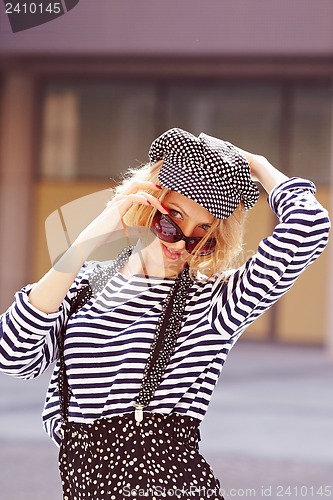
165,208
158,187
149,203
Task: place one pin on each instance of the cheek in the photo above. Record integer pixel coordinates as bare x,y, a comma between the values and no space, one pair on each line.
155,247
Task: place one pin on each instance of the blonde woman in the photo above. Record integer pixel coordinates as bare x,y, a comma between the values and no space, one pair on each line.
139,342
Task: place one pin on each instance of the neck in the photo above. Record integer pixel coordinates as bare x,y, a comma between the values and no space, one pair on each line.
140,263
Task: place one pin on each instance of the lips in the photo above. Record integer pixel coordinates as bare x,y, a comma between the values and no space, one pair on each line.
170,254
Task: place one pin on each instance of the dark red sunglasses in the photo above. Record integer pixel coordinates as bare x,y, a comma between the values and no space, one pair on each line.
167,230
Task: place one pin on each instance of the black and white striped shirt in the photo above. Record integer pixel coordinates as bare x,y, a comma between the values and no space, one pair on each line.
108,340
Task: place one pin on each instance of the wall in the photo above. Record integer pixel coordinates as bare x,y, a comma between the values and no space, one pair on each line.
186,27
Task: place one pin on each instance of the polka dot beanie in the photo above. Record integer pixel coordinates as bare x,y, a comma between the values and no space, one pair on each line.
207,170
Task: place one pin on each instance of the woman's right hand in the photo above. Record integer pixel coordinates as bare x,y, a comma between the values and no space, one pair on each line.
100,230
48,293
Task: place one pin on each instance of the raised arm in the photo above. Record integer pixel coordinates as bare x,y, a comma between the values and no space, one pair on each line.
49,292
263,171
29,328
297,240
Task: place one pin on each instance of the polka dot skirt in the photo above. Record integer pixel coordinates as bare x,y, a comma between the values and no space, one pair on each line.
117,459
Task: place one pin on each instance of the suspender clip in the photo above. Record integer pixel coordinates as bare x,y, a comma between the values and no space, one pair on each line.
138,414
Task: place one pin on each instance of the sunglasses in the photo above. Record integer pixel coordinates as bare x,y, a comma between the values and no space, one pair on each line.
167,230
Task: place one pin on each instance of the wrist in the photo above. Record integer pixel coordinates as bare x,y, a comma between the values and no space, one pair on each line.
72,260
267,175
258,165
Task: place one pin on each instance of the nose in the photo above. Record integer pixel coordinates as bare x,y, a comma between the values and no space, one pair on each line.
179,246
188,228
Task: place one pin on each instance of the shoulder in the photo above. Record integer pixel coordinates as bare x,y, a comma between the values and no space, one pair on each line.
219,278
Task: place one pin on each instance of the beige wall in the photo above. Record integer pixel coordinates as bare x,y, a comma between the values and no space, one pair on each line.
49,196
16,165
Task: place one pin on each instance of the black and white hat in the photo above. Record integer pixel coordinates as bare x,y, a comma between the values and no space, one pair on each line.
207,170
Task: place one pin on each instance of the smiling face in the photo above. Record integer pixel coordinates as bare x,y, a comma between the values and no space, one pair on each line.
168,259
228,232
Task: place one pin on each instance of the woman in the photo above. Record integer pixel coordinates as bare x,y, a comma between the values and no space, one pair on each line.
148,333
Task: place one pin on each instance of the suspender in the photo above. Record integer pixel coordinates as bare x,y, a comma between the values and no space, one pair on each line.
82,296
162,347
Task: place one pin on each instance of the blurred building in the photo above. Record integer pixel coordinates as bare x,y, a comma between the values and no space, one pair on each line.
82,98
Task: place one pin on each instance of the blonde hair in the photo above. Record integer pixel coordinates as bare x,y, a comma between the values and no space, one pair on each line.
227,232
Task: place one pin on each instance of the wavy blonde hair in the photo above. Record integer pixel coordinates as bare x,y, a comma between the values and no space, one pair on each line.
227,232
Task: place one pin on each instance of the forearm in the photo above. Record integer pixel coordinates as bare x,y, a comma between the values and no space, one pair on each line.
49,292
263,171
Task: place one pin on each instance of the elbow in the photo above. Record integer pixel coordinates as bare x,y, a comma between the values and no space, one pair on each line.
18,365
20,372
323,225
316,225
317,236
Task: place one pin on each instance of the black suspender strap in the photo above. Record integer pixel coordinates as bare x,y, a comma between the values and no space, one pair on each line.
163,345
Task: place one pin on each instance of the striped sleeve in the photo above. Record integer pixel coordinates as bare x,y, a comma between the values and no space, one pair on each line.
28,337
298,239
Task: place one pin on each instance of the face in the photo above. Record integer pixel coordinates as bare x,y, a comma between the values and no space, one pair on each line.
193,219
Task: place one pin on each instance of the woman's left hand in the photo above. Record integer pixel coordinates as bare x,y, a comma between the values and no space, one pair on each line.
263,171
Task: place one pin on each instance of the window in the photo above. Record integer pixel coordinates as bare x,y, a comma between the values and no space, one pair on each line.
311,132
245,114
97,130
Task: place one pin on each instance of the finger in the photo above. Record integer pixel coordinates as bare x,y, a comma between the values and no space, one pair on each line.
139,186
142,197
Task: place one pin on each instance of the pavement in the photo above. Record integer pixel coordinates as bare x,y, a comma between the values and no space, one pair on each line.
268,432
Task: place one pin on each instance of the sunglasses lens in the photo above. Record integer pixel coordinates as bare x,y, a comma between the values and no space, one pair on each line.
168,231
164,229
206,249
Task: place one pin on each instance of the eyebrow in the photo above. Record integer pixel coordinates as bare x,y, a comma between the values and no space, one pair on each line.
183,211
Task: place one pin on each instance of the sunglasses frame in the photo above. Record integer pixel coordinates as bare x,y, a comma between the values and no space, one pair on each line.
187,239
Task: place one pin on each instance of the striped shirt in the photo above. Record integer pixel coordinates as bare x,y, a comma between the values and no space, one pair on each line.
107,341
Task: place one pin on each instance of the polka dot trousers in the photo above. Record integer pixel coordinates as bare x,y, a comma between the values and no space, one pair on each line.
118,459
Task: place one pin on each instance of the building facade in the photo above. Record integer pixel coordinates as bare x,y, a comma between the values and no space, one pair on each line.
83,96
